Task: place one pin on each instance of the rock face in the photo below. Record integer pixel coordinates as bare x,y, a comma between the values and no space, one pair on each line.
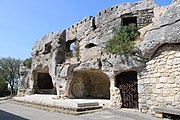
74,64
47,53
164,30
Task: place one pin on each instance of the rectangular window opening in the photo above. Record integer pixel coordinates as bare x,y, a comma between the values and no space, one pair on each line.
128,20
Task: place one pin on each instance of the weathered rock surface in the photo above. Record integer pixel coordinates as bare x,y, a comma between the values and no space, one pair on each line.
89,72
165,30
50,54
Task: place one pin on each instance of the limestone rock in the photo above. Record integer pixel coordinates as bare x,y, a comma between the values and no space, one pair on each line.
165,30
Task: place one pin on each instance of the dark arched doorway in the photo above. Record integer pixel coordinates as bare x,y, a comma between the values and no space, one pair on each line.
127,83
89,84
43,82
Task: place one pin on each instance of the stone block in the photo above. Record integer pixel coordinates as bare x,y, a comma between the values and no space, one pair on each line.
165,74
160,99
159,115
143,109
159,86
169,67
171,80
173,86
169,99
157,91
149,102
146,81
155,80
163,79
177,55
140,89
140,81
177,79
162,70
171,53
157,75
171,56
177,61
177,98
170,62
142,101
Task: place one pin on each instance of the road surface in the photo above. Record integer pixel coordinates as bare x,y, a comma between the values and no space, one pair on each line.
9,111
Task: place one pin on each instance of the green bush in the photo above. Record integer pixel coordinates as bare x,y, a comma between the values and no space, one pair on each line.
122,42
27,62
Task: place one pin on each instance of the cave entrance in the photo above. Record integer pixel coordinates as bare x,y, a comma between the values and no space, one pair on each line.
127,83
43,82
89,84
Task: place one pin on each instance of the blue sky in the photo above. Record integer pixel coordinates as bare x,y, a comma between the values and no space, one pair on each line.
22,22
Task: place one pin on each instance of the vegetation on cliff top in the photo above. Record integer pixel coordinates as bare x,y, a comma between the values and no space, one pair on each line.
27,62
122,42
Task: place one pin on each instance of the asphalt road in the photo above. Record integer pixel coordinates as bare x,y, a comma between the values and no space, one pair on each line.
9,111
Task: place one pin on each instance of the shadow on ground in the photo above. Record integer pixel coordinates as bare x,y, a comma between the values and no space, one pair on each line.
9,116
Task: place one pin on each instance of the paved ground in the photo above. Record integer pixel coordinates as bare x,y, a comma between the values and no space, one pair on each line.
9,111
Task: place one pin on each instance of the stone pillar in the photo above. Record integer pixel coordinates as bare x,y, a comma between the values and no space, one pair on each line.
32,82
115,96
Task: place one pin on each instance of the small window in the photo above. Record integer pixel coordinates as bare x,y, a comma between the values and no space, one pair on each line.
48,48
70,47
90,45
128,20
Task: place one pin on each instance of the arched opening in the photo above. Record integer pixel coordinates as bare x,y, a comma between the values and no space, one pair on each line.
127,83
43,82
72,49
89,84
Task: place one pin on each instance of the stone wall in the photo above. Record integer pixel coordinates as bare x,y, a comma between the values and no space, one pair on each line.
112,13
159,81
97,30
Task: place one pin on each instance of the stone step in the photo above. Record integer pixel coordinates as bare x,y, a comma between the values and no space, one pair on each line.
89,104
83,108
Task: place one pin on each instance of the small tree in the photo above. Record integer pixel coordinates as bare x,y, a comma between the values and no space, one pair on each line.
122,41
9,71
27,62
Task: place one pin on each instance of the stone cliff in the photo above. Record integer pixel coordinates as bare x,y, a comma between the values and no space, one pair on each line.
73,63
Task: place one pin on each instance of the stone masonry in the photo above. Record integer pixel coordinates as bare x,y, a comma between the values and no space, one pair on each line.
159,80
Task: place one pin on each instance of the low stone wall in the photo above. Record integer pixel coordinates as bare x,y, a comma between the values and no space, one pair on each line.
159,82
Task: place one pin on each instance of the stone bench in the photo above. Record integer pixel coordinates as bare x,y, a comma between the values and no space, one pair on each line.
160,112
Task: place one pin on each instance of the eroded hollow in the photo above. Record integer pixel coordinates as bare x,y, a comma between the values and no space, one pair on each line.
89,84
43,82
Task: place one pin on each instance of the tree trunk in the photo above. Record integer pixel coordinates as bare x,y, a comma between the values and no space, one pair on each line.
12,90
